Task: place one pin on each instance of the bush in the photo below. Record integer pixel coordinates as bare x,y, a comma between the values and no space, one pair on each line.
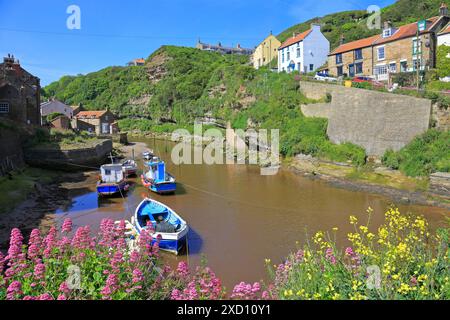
426,154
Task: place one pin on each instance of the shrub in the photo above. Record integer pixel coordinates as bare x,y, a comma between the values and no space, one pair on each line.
426,154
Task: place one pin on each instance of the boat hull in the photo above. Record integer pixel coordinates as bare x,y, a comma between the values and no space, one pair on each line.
111,189
174,245
160,188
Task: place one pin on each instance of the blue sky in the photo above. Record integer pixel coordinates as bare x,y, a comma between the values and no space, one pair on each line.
114,32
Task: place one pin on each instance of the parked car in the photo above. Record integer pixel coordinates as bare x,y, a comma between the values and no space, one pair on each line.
320,76
362,79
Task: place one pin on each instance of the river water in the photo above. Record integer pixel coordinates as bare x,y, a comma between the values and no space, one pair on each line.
237,217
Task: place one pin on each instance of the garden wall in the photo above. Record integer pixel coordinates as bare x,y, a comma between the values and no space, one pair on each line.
11,155
75,159
376,121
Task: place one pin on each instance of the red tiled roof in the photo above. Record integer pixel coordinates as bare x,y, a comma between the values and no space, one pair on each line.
297,38
90,114
358,44
408,30
139,60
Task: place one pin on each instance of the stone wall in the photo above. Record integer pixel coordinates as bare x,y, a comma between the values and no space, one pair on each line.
440,183
374,120
440,117
76,159
11,155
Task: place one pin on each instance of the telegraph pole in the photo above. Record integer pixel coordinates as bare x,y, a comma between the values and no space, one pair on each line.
417,59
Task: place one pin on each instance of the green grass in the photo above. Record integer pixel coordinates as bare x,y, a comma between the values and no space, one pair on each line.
17,189
426,154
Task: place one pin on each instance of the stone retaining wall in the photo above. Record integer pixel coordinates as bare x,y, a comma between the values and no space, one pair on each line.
77,159
376,121
440,183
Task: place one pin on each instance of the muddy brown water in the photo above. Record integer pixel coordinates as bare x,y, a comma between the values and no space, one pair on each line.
237,217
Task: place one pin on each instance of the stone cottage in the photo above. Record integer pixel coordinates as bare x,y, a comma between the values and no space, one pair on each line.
94,121
19,93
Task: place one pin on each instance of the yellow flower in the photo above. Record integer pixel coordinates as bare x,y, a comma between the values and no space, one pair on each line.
336,296
353,220
335,229
364,229
395,276
404,288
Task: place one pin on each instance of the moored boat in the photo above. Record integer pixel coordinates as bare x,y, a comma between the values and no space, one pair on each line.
157,179
111,181
148,155
165,224
129,168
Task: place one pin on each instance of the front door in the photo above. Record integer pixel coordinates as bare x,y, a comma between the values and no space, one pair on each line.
105,128
351,70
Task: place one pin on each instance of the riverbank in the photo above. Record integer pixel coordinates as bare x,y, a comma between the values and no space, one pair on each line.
371,179
28,198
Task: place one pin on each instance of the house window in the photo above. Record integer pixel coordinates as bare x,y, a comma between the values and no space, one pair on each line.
288,55
298,52
282,57
393,67
299,66
358,54
417,63
416,47
359,68
381,53
4,107
403,66
339,58
387,33
340,71
311,67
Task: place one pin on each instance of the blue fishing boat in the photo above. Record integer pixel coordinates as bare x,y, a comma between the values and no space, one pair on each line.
157,179
167,225
111,181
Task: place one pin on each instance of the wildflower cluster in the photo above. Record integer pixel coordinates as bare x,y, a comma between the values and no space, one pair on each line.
409,263
105,266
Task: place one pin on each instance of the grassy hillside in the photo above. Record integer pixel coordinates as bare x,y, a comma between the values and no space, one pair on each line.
353,24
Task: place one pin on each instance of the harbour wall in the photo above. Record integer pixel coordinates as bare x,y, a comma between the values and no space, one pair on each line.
376,121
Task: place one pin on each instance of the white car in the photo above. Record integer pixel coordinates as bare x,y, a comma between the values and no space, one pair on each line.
324,77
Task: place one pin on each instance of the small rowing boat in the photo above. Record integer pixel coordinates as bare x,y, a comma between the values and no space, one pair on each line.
166,225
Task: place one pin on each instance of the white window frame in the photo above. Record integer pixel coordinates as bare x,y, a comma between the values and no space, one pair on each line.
387,33
4,107
384,53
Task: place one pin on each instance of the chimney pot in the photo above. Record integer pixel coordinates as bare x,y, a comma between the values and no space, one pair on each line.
443,10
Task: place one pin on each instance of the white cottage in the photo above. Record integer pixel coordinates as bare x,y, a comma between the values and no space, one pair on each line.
304,52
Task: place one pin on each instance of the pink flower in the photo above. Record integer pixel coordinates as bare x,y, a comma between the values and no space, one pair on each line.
50,242
39,271
137,276
330,256
246,291
183,269
45,296
61,297
14,290
15,244
67,226
64,288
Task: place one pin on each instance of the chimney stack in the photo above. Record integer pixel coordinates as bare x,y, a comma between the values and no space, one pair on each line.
294,34
443,10
387,24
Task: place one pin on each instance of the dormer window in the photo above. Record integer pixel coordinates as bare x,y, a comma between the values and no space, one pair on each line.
387,33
